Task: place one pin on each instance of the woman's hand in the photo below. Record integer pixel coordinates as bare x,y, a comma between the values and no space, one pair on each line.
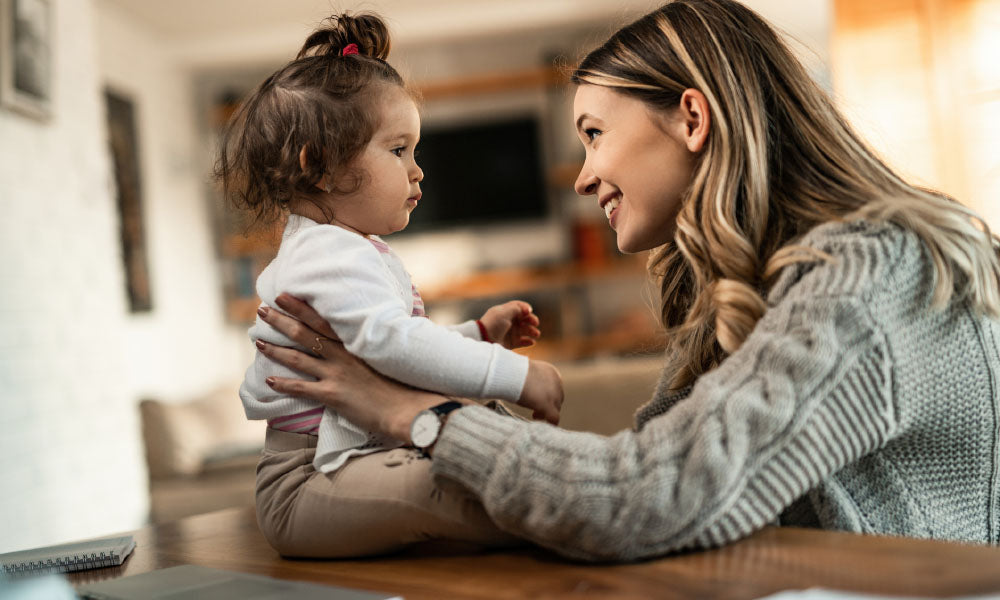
344,383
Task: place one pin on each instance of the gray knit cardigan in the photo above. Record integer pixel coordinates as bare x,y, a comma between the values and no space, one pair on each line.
853,405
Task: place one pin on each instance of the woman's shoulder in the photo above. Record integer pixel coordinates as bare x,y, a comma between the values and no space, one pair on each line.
851,257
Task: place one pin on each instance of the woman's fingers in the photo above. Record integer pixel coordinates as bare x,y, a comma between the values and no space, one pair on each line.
297,331
292,358
293,329
304,313
548,416
299,388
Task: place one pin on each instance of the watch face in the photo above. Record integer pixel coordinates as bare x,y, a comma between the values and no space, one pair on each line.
424,430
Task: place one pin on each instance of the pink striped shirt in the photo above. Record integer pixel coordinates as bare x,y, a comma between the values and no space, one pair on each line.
308,421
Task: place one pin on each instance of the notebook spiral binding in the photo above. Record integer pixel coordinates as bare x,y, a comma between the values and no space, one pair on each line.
65,564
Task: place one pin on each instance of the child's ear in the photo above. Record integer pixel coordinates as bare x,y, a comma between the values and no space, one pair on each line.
302,157
322,184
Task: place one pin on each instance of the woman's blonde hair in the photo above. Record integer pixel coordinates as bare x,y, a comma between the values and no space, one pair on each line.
780,160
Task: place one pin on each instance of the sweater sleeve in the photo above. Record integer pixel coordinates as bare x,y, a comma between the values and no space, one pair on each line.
345,280
809,391
467,329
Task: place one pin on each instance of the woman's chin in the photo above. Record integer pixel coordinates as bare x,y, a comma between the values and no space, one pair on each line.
647,240
627,245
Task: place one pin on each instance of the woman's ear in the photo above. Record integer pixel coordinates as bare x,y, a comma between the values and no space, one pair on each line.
697,120
322,184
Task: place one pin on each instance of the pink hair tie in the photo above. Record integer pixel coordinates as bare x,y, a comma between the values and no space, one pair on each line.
349,50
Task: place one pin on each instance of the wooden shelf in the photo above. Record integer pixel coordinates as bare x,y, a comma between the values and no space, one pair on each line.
637,340
242,310
506,282
493,83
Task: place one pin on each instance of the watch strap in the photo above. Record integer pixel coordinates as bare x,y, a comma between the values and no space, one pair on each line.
441,410
446,407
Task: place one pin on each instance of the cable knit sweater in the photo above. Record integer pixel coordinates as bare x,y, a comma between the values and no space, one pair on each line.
853,405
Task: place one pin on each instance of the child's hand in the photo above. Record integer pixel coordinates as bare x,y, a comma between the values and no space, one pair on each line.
512,324
543,391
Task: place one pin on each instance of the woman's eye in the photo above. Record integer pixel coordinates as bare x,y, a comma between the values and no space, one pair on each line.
591,133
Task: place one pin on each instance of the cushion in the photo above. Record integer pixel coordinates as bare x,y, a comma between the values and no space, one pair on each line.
183,437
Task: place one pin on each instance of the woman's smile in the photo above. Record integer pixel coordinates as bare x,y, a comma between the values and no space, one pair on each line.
636,164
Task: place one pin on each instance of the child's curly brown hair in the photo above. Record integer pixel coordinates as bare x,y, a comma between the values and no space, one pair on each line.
323,102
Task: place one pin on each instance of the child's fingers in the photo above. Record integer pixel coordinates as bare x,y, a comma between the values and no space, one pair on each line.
532,332
524,342
530,319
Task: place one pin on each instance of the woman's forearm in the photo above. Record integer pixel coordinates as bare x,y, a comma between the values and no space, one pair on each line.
397,422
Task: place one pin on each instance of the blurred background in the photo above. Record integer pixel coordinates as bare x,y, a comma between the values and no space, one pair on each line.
126,288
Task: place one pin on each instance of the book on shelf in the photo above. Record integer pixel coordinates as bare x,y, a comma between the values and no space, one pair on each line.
64,558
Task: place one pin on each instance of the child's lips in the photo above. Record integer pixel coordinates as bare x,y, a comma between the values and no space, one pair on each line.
414,199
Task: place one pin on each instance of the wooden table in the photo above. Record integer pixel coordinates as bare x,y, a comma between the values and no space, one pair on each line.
774,559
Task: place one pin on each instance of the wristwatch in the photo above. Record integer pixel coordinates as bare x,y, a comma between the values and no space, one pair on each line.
427,425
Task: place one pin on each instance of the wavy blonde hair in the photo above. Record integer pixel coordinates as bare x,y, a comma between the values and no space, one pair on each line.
780,160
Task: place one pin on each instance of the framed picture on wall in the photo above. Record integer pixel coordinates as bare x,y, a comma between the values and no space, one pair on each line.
26,57
123,138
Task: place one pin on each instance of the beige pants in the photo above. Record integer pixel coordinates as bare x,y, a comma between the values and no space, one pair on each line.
374,504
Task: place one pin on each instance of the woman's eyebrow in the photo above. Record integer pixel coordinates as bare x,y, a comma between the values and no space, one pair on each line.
582,118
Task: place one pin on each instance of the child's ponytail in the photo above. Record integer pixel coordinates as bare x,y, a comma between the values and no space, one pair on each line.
366,31
320,102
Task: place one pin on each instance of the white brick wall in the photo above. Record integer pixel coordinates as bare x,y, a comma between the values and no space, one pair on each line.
184,346
70,455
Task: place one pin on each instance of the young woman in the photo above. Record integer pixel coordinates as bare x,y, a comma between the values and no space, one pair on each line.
834,345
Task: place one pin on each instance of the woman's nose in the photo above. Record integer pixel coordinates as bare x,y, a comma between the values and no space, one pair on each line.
586,182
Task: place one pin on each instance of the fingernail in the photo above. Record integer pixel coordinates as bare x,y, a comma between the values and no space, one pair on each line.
280,301
262,311
270,381
260,345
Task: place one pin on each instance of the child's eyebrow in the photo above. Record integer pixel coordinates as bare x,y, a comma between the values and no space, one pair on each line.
402,137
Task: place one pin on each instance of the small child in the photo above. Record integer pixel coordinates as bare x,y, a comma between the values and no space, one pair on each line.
330,137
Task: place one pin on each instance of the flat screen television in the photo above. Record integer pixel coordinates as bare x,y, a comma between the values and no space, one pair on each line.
479,174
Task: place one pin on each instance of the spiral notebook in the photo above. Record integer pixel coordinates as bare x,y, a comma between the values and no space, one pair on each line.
94,554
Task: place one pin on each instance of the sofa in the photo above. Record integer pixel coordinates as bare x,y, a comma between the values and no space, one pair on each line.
201,453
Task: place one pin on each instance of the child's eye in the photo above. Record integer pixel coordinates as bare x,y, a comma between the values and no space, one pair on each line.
591,133
399,151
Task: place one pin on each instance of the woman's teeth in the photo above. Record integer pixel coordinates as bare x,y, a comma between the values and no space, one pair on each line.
610,206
